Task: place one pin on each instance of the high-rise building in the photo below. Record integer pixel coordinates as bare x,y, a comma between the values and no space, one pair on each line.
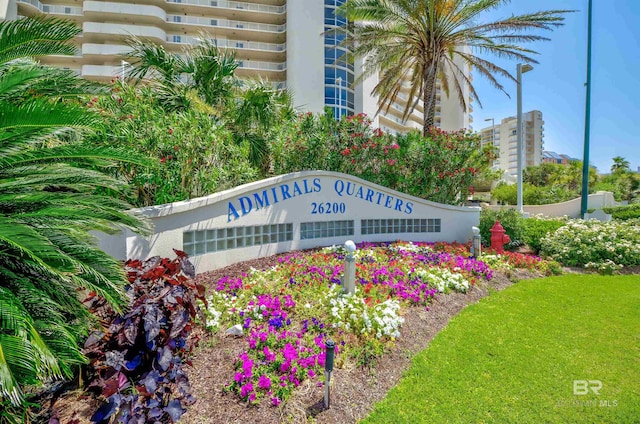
292,44
505,138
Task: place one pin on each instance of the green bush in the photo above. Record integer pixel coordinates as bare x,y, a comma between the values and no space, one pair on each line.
511,221
603,246
532,195
534,229
623,213
441,167
194,156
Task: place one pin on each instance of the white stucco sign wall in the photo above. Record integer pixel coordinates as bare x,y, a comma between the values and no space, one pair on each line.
291,212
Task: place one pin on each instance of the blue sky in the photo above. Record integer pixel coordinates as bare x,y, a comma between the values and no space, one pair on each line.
556,85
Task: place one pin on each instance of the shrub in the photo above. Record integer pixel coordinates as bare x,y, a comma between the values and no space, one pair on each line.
440,167
136,363
534,229
533,195
193,154
511,221
594,244
623,213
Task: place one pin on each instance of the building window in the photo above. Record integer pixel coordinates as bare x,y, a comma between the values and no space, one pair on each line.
393,226
220,239
322,229
177,39
177,18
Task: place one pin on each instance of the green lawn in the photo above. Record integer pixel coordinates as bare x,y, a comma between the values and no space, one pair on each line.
514,356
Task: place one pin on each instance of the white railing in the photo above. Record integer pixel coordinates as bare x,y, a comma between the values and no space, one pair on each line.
226,43
54,9
237,5
227,23
265,66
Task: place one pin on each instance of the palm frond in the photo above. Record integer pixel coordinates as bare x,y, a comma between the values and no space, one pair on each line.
36,36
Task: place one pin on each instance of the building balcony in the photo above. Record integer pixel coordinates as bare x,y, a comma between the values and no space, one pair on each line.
31,7
101,72
131,13
267,13
248,50
101,32
104,50
226,27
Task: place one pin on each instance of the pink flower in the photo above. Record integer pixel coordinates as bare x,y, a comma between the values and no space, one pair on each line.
311,374
275,401
246,389
264,382
268,355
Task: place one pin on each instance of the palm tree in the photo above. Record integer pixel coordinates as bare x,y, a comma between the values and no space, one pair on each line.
430,41
205,69
249,109
48,207
620,164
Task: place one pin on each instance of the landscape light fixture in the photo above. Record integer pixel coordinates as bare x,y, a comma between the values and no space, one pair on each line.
521,69
328,371
349,278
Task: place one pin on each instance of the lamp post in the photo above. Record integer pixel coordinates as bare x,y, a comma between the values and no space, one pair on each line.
521,69
584,198
339,84
493,130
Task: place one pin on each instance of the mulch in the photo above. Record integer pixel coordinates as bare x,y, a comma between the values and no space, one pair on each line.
354,389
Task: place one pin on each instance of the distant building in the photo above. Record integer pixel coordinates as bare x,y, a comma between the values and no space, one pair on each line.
505,137
553,157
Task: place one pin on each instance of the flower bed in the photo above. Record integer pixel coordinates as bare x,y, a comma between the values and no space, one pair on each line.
289,311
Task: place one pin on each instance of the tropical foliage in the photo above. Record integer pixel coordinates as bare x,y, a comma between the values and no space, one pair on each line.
143,351
547,183
193,155
48,207
433,43
203,78
441,167
624,183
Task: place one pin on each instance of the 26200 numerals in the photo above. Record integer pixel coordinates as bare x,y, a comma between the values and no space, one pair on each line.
328,208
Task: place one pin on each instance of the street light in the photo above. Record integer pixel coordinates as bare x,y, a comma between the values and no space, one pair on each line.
493,130
521,69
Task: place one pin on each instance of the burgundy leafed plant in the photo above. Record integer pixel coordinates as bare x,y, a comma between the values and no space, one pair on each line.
136,363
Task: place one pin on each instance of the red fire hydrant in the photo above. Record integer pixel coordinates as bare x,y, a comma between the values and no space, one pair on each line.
498,237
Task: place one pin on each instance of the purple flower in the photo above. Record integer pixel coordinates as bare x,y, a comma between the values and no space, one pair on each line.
289,352
311,373
246,389
275,401
264,382
268,355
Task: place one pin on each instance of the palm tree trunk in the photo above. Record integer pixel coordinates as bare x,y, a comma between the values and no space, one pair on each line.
429,97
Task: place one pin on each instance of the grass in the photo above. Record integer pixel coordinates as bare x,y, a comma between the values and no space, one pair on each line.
514,356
